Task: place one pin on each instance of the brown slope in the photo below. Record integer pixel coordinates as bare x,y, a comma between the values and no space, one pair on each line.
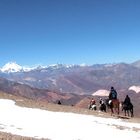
26,91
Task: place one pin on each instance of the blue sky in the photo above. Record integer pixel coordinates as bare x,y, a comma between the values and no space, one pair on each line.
69,31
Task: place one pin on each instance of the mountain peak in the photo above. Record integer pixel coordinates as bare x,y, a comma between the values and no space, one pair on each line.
11,67
136,64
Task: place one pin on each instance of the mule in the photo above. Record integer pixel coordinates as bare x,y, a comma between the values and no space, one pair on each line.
102,107
127,108
114,105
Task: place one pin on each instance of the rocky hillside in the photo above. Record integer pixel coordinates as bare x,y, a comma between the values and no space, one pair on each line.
14,88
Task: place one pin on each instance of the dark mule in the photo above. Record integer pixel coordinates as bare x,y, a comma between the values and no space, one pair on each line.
127,108
102,107
114,105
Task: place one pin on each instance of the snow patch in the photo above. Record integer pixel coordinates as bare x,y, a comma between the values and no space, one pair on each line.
30,79
62,126
135,88
101,92
54,82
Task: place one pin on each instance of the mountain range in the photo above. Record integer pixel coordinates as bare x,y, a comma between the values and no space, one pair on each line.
72,84
75,79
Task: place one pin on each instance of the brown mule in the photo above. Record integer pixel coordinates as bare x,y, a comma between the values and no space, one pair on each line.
115,106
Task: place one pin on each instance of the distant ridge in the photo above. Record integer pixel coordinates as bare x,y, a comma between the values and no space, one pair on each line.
136,64
77,79
13,67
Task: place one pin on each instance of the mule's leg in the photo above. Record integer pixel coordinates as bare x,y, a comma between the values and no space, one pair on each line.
112,112
132,115
89,106
128,112
95,108
118,110
125,112
104,108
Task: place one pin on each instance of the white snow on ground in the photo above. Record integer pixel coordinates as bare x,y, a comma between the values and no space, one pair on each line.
62,126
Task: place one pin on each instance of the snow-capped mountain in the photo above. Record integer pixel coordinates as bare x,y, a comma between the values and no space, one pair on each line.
11,67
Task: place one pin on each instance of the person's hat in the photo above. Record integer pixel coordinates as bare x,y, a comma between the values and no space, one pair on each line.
112,87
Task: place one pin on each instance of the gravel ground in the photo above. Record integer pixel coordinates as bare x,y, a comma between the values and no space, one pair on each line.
8,136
